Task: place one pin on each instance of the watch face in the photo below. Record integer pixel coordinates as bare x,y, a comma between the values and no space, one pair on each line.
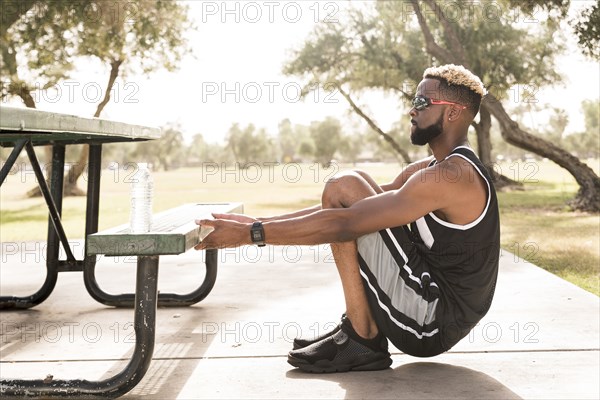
257,233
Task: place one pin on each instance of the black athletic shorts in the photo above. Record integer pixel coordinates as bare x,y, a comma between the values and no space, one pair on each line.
402,295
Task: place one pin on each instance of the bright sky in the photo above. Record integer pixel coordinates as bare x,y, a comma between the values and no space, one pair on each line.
235,76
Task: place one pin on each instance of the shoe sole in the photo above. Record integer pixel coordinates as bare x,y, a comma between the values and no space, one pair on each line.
380,362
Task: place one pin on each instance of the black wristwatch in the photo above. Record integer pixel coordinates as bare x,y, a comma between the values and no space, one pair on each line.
257,234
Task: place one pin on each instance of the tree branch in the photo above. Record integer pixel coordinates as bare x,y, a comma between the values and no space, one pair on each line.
457,49
114,73
433,48
71,188
373,125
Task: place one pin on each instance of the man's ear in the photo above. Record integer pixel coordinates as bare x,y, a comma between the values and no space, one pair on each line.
454,113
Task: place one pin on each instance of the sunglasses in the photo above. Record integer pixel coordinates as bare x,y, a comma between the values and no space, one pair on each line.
421,102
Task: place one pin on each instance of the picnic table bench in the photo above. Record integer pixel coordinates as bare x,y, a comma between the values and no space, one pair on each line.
173,232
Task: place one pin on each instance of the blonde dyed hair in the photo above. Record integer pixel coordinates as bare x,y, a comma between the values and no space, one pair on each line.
458,84
457,75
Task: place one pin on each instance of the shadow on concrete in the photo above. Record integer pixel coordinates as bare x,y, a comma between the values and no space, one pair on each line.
173,361
418,380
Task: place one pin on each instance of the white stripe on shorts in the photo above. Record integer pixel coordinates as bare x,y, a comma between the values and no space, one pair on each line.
405,258
382,265
394,320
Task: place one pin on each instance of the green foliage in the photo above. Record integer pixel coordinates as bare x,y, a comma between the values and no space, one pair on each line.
294,141
351,146
532,7
504,53
39,47
591,113
44,38
326,136
587,144
148,34
287,141
366,52
587,29
165,153
200,152
250,146
36,47
307,149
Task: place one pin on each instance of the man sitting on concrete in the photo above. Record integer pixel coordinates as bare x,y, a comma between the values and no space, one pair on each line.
418,257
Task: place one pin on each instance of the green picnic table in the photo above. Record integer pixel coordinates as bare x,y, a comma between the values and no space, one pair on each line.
173,232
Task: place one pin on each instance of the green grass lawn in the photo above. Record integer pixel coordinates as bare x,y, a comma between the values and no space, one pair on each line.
536,224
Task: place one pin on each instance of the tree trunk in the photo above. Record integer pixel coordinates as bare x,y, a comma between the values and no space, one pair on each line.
77,169
484,143
588,196
484,150
374,126
25,94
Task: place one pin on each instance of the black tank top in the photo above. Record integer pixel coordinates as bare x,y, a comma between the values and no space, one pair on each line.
463,259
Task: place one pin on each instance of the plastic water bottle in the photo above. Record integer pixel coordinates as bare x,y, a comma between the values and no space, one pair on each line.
140,217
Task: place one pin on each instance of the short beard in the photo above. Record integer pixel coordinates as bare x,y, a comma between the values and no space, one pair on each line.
422,136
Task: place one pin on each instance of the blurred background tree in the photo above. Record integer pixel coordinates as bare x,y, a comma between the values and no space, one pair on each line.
200,151
587,29
586,144
288,142
48,37
165,153
250,146
327,137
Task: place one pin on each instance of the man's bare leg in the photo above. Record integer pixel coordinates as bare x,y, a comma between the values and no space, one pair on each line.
343,191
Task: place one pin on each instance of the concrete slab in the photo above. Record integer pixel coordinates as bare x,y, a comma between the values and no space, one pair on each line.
539,340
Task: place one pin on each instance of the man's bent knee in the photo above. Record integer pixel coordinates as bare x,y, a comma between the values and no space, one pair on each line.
346,188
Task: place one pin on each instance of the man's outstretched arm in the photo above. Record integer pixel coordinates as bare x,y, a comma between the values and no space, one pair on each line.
397,183
248,219
421,194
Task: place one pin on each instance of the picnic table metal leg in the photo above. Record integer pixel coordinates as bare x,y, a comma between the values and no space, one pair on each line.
52,207
177,300
10,161
54,197
164,299
144,325
93,190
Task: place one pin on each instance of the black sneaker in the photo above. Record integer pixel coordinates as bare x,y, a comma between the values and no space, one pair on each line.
343,351
300,343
